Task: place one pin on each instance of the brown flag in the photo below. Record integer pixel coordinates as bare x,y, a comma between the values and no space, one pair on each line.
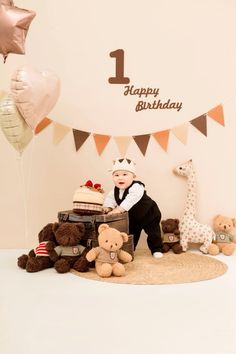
200,124
142,142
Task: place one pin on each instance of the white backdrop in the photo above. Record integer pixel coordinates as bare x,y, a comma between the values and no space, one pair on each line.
185,48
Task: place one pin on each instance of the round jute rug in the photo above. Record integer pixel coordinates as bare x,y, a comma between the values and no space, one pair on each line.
170,269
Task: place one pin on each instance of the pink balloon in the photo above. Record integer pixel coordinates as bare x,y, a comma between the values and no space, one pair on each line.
35,93
14,25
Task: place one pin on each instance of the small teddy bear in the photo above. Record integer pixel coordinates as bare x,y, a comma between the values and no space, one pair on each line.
109,252
170,236
69,253
39,258
224,241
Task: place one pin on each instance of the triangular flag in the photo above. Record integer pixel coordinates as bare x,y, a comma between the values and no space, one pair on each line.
142,142
162,138
122,143
79,138
101,142
181,132
217,114
200,123
59,132
42,125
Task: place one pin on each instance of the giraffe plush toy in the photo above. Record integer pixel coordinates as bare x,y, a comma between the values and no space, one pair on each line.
190,229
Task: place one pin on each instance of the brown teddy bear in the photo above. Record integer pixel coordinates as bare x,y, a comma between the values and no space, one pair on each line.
69,253
39,258
170,236
224,241
109,252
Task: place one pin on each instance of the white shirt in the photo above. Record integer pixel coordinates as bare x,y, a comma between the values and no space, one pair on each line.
135,194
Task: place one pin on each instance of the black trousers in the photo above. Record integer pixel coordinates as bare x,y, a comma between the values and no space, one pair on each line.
152,229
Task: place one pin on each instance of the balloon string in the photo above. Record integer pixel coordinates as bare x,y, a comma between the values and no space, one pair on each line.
23,189
30,170
26,188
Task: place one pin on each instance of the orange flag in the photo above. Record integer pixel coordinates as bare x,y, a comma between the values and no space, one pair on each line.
42,125
142,142
162,138
101,142
217,114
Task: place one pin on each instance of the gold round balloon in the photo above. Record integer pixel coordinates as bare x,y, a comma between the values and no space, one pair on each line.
13,125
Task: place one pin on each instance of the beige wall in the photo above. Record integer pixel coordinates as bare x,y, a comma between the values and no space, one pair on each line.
184,48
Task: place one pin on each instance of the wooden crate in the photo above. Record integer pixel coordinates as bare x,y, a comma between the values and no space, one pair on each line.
92,222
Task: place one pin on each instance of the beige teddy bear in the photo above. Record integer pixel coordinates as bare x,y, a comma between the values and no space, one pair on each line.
109,252
225,241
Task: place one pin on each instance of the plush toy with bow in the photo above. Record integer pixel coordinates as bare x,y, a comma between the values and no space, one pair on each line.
88,199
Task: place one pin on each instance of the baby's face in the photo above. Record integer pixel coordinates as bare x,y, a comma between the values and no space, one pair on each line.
122,179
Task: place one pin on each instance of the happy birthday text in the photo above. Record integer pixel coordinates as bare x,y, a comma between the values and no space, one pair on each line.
154,92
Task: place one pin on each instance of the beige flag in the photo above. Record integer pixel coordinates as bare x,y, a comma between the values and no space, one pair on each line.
122,143
59,132
181,132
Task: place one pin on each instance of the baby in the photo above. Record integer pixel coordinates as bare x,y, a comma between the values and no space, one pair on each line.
130,195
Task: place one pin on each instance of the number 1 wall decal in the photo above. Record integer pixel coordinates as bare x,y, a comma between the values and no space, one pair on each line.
119,78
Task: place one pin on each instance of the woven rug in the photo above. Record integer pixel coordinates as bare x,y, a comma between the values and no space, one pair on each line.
170,269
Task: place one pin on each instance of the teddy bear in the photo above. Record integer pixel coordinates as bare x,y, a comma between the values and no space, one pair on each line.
225,241
108,253
39,258
69,253
171,236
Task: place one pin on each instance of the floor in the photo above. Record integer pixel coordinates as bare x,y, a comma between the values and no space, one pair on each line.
47,312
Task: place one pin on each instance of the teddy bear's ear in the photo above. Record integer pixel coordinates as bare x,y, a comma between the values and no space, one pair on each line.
102,227
216,217
80,226
124,236
162,222
177,221
234,222
55,226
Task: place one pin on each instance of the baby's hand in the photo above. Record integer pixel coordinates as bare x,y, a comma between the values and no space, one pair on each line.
117,210
106,210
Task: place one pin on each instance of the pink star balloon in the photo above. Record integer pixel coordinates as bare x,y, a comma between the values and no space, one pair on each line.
14,25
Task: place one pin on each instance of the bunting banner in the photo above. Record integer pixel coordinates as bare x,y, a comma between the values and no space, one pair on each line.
122,143
101,142
42,125
162,137
59,132
79,138
181,132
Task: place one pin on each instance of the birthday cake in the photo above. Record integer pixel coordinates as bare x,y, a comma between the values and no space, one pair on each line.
88,199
